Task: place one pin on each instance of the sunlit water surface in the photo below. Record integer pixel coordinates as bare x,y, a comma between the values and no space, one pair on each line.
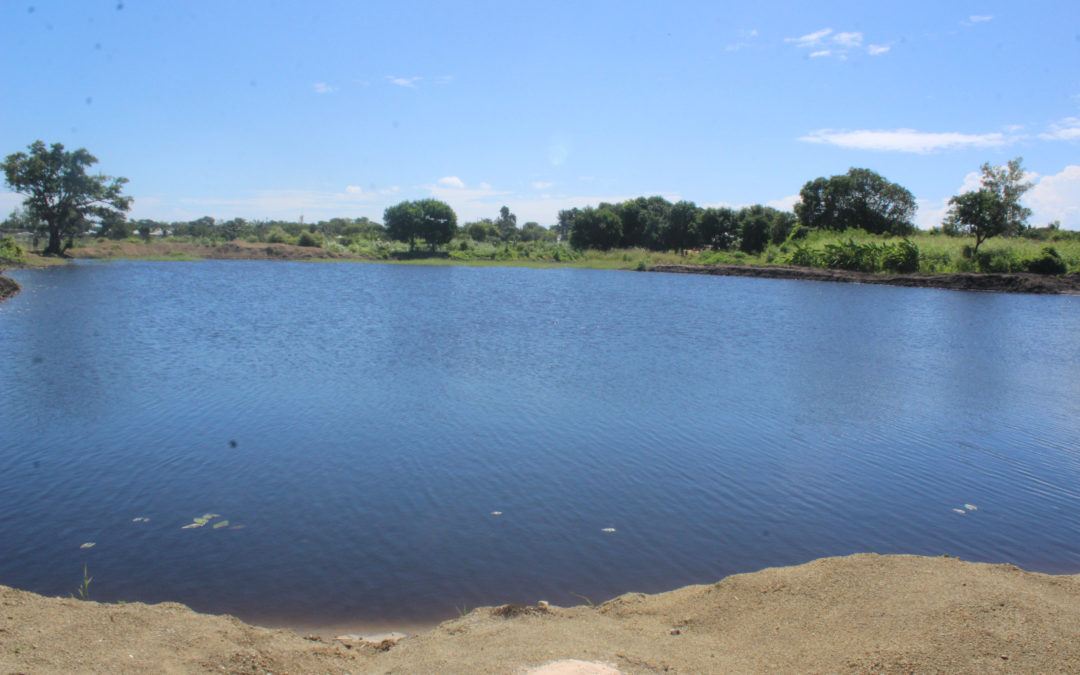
359,425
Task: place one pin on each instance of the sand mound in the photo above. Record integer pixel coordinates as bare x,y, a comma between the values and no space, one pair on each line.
862,613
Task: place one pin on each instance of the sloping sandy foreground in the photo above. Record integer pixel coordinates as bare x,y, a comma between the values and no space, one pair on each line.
858,614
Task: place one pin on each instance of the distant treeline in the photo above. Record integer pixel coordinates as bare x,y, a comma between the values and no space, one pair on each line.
857,200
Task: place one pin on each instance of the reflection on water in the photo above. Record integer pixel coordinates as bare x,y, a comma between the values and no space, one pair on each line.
364,424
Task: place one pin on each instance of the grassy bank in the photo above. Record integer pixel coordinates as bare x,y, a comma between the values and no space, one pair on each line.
854,250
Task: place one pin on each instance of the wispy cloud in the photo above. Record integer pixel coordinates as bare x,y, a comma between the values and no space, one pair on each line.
541,185
827,42
1067,129
323,88
980,18
848,39
454,190
291,203
810,39
746,41
905,140
409,82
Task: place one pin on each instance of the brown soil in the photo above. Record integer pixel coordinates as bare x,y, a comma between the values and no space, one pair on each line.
234,250
1004,283
861,613
8,287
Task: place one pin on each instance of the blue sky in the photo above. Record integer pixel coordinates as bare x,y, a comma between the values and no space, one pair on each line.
276,109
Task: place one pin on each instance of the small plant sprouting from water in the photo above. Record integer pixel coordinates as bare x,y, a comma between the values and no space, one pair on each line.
462,611
84,589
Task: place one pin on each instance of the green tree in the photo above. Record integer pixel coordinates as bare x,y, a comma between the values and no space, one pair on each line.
755,227
403,221
858,199
507,224
482,230
994,209
59,192
682,230
596,228
718,228
428,219
565,224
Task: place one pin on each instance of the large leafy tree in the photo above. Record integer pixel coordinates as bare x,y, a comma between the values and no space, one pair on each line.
718,227
994,209
858,199
428,219
60,194
596,228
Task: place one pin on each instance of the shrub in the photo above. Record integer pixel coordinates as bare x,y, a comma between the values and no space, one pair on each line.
902,256
1000,261
309,239
9,250
1048,263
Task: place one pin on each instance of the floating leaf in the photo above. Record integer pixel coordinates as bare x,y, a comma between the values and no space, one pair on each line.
223,523
89,544
201,521
210,516
971,507
496,513
608,529
960,511
191,526
140,519
237,527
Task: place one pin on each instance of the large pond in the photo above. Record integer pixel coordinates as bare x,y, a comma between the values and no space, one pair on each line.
389,443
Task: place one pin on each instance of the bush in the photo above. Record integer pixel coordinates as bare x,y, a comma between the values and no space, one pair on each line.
309,239
277,236
1048,263
902,257
11,251
1000,261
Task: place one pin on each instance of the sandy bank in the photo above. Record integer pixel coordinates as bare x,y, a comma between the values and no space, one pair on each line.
861,613
1002,283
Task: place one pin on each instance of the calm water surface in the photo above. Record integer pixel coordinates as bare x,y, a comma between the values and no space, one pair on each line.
363,422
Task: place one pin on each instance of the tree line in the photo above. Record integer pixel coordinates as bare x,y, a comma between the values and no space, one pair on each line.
63,201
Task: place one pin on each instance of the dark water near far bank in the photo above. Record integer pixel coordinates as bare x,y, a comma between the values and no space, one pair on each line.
382,413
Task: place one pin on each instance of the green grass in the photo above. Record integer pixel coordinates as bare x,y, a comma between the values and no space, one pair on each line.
938,253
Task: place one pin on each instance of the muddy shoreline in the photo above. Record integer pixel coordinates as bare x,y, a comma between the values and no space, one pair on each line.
8,287
1000,283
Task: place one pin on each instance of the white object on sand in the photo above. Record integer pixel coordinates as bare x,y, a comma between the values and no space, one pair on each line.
574,667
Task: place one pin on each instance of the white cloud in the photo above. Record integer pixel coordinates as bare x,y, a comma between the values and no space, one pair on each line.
409,82
1067,129
541,185
452,182
823,52
980,18
811,39
904,140
848,39
323,88
1056,197
874,50
784,203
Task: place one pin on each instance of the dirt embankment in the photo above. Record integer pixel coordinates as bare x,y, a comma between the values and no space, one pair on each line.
861,613
235,250
1003,283
8,287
